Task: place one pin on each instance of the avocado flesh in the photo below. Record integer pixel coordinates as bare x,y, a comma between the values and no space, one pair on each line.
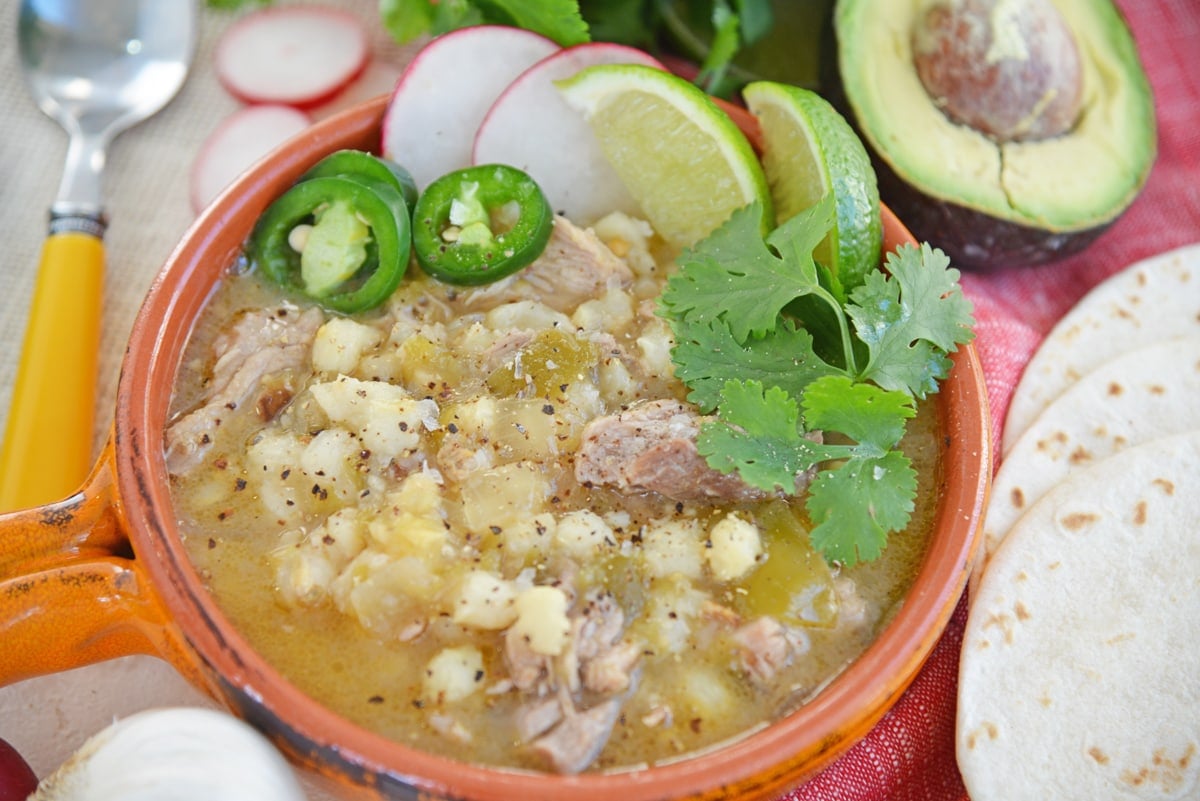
1050,189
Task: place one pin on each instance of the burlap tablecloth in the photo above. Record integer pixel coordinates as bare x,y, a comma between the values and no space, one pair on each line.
910,754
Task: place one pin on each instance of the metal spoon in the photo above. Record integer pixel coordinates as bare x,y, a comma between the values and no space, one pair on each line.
96,67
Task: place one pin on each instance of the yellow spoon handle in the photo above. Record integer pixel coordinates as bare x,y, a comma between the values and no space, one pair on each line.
47,449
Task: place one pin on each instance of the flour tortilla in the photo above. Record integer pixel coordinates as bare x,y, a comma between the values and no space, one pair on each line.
1150,301
1146,393
1080,670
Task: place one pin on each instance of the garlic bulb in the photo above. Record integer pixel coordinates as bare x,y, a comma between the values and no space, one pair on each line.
180,753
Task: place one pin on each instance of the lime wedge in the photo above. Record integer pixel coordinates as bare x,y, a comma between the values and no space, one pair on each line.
809,150
684,161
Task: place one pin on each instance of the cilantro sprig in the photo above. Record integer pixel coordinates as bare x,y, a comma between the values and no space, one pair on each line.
851,367
559,20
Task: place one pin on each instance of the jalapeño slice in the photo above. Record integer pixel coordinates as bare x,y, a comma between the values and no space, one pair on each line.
361,164
480,224
342,240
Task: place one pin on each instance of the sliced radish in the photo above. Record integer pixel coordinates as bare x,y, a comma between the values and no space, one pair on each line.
296,55
530,126
446,90
238,142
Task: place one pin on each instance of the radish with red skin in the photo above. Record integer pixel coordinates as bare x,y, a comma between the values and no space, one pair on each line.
17,779
239,141
444,93
532,128
295,55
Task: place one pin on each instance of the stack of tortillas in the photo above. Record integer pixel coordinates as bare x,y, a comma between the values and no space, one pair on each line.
1080,669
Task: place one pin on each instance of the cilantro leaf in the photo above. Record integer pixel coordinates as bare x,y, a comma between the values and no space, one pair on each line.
724,45
631,22
757,18
733,275
855,505
234,5
910,320
405,20
865,413
707,355
765,338
758,435
559,20
799,235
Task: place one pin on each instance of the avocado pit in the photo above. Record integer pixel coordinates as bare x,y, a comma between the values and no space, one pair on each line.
1010,69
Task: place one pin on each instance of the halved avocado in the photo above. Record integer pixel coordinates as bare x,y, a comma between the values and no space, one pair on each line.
988,201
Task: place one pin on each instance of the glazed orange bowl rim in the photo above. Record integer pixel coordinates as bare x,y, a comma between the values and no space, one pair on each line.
768,760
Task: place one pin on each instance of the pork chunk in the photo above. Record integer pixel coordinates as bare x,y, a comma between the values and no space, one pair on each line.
575,266
763,648
260,343
652,447
575,742
598,659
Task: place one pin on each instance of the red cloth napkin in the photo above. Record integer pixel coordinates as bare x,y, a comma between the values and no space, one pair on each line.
910,753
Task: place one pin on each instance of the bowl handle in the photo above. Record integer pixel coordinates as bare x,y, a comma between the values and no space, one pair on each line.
71,591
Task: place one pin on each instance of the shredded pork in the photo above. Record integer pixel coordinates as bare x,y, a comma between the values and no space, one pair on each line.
575,266
260,343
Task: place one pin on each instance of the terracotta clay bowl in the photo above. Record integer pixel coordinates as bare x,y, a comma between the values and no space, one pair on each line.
104,573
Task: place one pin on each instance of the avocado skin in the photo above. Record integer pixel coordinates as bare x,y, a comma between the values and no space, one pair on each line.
974,240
